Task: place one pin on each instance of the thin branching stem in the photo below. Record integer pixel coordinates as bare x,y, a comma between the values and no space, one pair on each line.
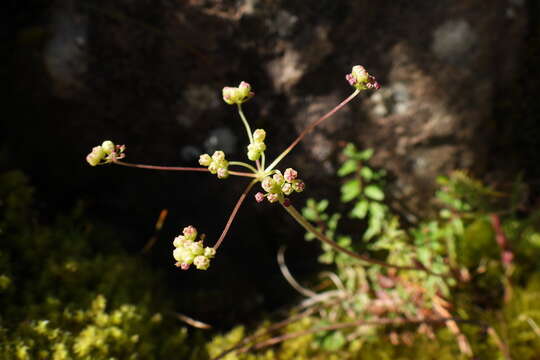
240,163
246,124
310,128
310,228
234,212
178,168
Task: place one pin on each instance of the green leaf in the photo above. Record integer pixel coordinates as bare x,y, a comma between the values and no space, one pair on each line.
366,154
374,192
350,150
350,190
322,205
348,167
309,213
366,173
360,209
334,341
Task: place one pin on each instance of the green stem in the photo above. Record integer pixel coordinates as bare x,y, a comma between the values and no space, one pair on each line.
246,124
310,128
240,163
310,228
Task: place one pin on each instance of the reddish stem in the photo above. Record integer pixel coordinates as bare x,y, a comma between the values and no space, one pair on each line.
233,213
310,128
178,168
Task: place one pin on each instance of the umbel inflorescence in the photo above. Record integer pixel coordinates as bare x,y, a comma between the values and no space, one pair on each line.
277,186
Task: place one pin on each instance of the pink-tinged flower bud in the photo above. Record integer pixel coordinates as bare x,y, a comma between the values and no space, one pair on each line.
190,233
267,184
245,90
218,156
205,160
278,178
229,94
201,262
361,79
222,173
290,174
259,135
184,266
259,197
298,185
209,252
237,95
272,198
108,147
286,202
287,189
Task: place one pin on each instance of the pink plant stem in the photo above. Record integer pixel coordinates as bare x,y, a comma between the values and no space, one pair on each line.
233,213
177,168
311,127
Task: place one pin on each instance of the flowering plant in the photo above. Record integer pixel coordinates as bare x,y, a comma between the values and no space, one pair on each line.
277,186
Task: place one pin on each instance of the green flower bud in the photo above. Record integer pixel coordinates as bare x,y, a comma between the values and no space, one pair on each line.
287,189
267,184
209,252
205,160
259,135
213,167
278,178
196,248
201,262
237,95
260,146
179,241
96,156
229,95
218,156
253,155
190,233
108,147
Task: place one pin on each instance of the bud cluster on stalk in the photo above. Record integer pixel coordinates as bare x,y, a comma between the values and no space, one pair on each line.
257,147
105,153
278,186
217,164
188,251
237,95
361,79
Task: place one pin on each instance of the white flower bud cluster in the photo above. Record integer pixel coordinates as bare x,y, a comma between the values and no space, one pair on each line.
188,251
237,95
278,186
217,164
257,147
105,153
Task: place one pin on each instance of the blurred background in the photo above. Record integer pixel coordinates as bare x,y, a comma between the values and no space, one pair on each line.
459,91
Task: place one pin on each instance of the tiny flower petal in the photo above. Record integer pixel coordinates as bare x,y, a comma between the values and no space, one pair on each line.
259,197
